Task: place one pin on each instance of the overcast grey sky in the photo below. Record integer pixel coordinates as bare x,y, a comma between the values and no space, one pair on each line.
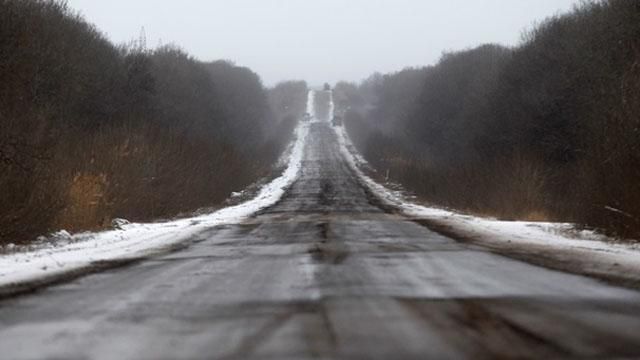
319,40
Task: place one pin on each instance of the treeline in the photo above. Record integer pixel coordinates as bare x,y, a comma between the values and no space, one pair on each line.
548,130
90,131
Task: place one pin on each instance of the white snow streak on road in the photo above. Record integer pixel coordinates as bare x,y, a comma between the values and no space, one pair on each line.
137,240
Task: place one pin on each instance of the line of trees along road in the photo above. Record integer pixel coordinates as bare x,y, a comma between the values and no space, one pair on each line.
90,131
547,130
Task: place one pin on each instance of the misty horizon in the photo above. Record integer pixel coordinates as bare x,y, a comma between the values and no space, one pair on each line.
323,42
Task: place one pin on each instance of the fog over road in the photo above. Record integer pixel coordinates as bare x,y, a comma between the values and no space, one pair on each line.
325,273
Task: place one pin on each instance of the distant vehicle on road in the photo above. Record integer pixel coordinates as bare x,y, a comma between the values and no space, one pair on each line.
337,121
306,117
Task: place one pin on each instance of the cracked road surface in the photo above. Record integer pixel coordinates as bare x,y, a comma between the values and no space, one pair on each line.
325,273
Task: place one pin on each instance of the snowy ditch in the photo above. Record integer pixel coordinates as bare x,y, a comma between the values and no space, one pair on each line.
63,253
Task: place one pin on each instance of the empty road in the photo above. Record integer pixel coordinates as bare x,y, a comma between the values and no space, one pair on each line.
325,274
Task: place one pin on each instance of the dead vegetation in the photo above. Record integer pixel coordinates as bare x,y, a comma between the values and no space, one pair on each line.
90,131
548,130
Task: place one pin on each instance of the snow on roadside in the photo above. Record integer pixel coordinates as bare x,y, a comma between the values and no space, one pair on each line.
63,253
603,254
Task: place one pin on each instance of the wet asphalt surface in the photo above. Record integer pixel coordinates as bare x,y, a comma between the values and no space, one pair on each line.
326,274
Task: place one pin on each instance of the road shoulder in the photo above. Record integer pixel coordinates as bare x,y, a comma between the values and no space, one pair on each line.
558,246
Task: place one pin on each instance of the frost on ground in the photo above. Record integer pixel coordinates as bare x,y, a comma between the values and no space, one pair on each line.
63,253
557,245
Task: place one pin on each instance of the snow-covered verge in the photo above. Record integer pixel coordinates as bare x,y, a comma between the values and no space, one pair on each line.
557,245
63,253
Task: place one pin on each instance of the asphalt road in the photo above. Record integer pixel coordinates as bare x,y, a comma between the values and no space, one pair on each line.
325,273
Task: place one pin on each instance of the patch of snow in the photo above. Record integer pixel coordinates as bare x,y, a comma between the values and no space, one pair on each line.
332,106
237,193
63,252
311,106
119,223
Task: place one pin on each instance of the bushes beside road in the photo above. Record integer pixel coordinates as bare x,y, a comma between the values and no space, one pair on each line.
547,130
90,131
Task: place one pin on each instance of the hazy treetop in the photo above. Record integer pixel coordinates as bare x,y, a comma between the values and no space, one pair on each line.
319,40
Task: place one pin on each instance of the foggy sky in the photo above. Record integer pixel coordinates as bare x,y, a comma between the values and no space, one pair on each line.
319,40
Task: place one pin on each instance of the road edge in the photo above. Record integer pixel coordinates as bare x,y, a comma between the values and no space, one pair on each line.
30,271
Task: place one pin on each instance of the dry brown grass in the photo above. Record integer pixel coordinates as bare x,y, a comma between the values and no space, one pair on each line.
84,203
